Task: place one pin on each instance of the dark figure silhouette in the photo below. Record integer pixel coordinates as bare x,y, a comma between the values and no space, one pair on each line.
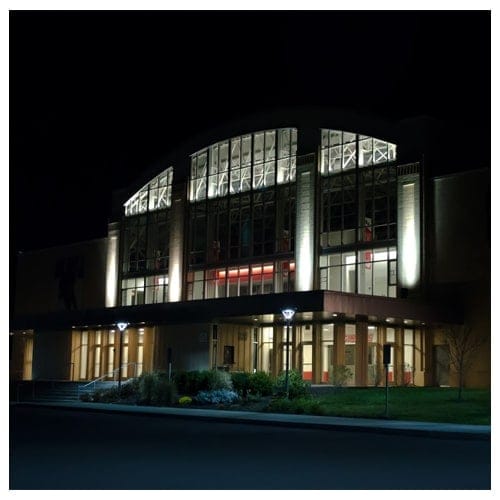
68,270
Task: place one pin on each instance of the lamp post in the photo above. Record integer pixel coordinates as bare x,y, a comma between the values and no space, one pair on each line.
288,314
122,327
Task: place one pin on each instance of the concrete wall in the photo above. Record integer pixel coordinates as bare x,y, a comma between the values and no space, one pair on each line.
461,232
52,355
61,278
189,345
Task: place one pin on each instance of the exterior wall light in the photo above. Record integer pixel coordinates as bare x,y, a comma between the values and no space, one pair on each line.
288,314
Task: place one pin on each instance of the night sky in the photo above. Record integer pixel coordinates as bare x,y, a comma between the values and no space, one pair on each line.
97,97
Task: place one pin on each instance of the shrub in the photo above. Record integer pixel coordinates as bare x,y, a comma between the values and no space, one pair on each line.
261,384
340,375
296,386
146,382
163,392
86,397
218,379
218,396
185,401
156,389
241,383
111,395
129,390
191,382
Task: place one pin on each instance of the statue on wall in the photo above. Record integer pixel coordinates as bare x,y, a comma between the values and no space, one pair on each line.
68,270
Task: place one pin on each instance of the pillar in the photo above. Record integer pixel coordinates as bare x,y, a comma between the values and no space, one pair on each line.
398,357
361,377
316,353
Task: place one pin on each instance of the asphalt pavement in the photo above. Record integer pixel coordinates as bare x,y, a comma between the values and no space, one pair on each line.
388,426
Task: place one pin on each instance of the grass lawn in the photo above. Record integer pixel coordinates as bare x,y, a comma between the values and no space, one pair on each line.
430,404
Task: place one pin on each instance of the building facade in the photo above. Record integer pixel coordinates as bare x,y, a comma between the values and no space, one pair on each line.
344,224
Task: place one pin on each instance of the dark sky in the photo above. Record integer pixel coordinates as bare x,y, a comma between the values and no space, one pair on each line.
96,97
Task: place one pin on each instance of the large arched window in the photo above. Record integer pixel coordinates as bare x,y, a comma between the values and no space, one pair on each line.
155,195
251,161
345,150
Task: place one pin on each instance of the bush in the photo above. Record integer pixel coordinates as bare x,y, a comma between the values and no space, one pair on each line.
261,384
340,375
185,401
241,383
218,380
146,383
86,397
218,396
129,390
111,395
297,387
192,382
156,389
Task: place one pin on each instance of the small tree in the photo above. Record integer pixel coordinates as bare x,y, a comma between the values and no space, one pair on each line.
463,344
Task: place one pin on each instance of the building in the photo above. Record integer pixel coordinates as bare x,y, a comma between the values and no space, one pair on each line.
342,218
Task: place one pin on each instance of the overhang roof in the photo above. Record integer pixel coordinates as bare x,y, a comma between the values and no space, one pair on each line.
319,306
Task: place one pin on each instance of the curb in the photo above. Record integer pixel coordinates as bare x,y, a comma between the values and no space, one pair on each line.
394,427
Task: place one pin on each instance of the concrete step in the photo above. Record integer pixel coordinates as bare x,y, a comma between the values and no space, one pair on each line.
57,391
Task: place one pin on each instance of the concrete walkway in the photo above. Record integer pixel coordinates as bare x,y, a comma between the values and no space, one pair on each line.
431,429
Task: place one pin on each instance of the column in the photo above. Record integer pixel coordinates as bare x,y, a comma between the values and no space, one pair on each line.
339,344
112,262
176,249
380,354
316,353
398,357
361,352
304,224
277,350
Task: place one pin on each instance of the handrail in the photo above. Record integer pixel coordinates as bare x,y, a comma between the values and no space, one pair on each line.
112,373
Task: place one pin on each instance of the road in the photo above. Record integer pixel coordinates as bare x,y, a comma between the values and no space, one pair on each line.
78,450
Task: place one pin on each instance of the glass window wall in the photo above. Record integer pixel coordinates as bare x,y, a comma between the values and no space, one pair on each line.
153,196
254,279
346,150
366,272
257,161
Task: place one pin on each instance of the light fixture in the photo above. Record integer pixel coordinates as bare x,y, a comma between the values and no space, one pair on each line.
288,313
121,326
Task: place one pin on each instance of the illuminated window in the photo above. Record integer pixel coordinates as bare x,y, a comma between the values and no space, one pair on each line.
84,351
155,195
140,351
369,272
346,150
97,354
237,165
256,279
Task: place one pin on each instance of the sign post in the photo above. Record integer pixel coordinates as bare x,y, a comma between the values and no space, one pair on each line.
387,362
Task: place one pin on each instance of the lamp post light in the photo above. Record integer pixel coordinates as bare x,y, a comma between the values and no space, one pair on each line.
288,315
122,327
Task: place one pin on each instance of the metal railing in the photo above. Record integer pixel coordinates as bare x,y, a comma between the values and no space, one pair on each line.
112,374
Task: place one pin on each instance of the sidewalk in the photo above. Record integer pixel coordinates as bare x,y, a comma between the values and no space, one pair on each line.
430,429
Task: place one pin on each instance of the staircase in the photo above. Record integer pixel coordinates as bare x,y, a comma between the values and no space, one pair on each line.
55,391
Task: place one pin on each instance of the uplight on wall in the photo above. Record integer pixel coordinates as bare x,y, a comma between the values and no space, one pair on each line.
112,268
409,233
